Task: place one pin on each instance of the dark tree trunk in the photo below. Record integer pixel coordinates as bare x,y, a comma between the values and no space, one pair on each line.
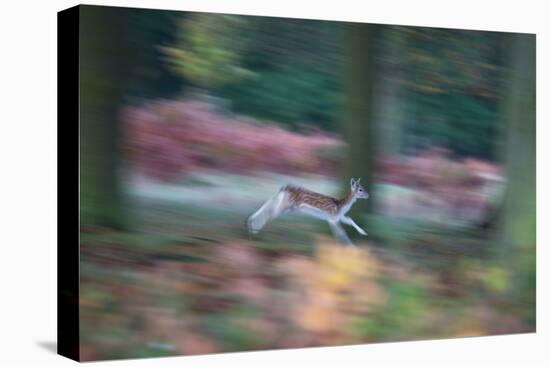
389,110
518,215
104,64
359,86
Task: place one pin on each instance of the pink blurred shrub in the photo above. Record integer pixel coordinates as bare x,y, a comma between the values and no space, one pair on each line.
463,188
432,168
165,139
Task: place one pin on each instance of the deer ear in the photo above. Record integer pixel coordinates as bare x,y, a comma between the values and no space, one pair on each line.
352,183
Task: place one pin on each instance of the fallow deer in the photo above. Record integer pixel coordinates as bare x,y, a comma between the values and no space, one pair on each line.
293,198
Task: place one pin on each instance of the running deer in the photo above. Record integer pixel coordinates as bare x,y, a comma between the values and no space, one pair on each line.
294,198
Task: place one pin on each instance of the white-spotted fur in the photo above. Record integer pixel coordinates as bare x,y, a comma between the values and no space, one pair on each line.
291,198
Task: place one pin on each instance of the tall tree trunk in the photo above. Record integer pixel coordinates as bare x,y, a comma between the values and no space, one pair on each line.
359,86
389,110
104,65
518,216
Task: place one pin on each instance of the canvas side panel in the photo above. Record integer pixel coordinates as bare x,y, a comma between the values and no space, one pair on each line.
68,183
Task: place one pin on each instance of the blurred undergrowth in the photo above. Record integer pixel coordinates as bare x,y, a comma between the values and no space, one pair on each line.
180,287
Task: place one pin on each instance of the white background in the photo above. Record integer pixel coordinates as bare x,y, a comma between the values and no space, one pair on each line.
28,183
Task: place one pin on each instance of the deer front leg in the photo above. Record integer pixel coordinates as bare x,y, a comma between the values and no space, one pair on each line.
350,222
339,233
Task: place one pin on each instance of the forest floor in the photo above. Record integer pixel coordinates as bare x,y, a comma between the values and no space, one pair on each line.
190,280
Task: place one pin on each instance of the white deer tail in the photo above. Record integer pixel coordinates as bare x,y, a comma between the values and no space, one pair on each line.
268,211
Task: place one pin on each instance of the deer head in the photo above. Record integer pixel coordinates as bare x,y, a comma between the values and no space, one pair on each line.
358,190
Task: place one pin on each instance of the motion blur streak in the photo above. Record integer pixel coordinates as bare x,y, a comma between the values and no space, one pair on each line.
218,112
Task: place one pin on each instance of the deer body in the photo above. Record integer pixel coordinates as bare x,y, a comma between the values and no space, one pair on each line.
294,198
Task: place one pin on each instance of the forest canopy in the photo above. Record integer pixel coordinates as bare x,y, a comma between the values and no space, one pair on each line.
289,71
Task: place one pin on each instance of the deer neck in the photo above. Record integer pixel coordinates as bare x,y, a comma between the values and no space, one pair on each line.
346,203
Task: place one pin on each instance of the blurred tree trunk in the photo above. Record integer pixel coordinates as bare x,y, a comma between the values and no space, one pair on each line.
389,111
359,86
518,215
104,65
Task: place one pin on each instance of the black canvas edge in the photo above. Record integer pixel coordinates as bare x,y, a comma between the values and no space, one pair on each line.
68,144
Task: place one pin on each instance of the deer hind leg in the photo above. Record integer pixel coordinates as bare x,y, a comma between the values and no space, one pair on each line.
280,204
270,210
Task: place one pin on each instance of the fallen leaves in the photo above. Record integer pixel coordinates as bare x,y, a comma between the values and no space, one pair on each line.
337,284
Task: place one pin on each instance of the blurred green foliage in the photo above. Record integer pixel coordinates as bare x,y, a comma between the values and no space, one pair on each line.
398,317
228,329
210,50
298,95
283,71
153,77
290,71
453,82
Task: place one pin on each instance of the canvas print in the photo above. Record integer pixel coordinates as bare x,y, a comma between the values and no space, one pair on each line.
259,183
